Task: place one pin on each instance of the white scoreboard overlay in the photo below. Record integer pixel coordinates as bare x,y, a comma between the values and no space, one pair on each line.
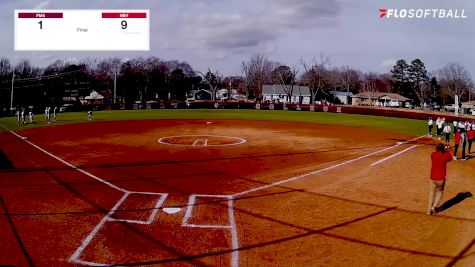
82,30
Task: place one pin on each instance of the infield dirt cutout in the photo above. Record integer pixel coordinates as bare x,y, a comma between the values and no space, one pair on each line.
293,194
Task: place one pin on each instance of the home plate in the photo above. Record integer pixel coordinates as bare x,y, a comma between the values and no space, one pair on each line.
171,210
209,122
399,143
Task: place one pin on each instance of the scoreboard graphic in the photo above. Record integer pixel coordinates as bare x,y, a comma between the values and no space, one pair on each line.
82,30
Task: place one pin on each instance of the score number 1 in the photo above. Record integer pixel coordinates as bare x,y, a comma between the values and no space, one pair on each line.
41,24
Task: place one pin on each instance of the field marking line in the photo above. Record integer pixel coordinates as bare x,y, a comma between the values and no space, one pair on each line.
234,261
189,208
234,235
90,263
69,164
146,193
393,155
152,215
238,140
321,170
156,208
75,256
209,196
208,226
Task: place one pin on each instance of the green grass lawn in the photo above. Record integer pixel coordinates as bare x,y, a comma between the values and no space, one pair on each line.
407,126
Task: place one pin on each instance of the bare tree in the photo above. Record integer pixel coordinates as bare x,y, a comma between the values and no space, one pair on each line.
214,80
257,71
349,78
455,80
316,75
5,67
286,78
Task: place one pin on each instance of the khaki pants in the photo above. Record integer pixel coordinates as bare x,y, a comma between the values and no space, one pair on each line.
435,194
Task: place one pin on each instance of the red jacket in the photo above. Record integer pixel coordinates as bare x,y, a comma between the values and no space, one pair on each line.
457,137
439,165
471,134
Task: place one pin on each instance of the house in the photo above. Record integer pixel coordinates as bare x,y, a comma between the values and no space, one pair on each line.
200,95
343,97
379,99
222,94
468,107
93,98
276,93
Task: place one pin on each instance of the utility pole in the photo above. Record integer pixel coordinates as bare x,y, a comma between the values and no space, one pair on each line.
11,96
115,84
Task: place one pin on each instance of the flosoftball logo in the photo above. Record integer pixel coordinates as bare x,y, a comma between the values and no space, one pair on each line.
392,13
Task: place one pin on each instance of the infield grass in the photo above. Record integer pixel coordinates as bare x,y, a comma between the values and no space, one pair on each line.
400,125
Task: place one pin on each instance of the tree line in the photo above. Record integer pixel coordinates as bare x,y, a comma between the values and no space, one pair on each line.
145,79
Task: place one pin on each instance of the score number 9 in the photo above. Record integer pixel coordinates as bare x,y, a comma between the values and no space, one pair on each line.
123,24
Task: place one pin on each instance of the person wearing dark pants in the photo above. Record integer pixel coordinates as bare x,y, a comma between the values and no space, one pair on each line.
446,131
463,137
457,142
430,122
470,137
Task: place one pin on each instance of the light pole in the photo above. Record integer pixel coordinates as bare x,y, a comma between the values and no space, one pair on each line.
115,85
122,61
11,96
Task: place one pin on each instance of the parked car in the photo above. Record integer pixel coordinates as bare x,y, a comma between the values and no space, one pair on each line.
393,103
66,107
407,105
449,107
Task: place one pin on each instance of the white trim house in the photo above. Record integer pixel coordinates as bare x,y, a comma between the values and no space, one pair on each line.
275,93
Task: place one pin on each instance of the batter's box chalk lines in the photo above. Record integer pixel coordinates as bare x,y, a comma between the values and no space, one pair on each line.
231,226
152,215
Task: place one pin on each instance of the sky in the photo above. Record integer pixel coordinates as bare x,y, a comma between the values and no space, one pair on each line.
221,34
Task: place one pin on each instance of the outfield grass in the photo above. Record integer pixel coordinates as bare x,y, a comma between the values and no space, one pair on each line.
400,125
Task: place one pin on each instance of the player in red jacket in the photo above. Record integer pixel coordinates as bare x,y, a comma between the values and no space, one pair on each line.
457,142
470,137
438,172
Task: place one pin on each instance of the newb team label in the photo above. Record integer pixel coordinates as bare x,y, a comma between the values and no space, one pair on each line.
82,30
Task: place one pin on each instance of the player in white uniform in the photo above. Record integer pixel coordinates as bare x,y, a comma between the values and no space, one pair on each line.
23,116
447,130
440,124
89,115
48,116
18,117
54,114
31,115
430,122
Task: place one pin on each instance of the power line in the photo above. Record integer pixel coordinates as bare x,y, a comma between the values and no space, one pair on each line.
42,77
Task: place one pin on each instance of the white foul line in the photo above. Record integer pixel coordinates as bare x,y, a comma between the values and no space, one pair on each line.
320,170
71,165
393,155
